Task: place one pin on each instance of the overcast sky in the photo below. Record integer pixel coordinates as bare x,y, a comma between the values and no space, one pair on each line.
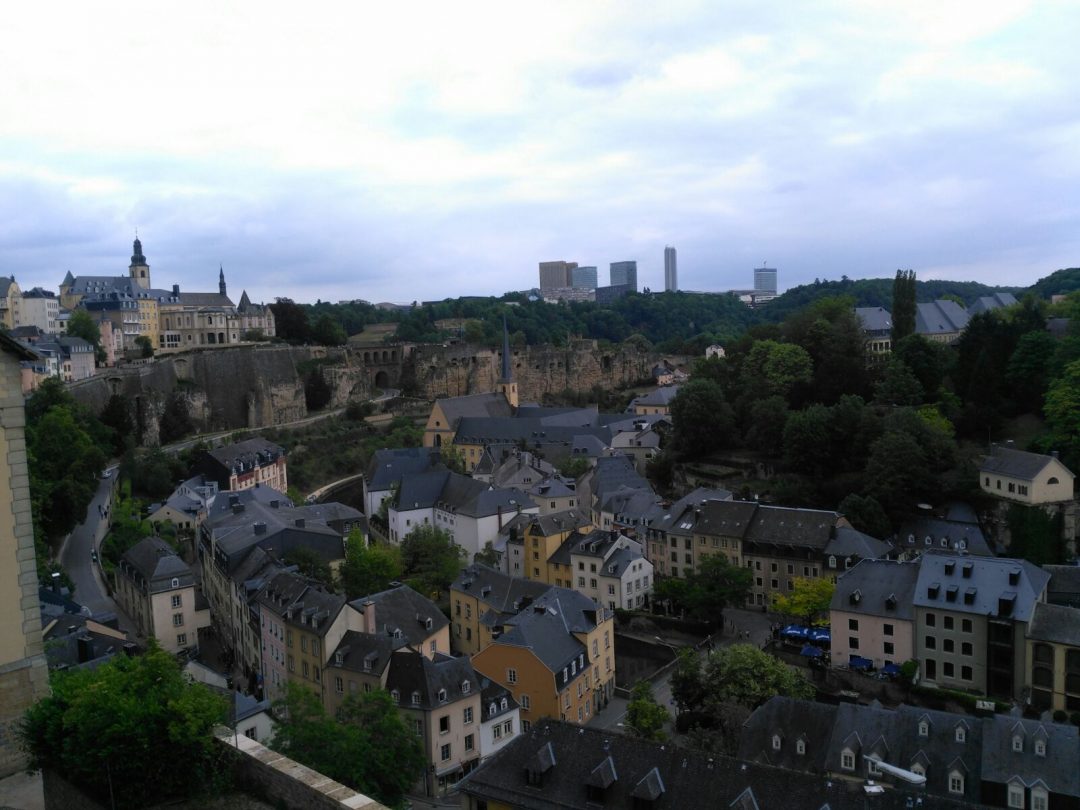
400,151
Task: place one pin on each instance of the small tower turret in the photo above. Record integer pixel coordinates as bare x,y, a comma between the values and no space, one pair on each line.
139,271
506,382
221,280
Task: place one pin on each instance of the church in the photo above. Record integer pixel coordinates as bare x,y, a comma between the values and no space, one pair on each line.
171,320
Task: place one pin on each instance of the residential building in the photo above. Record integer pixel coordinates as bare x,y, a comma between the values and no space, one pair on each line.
188,505
714,350
671,271
607,567
75,641
1027,478
921,533
40,308
559,766
447,413
583,277
254,319
471,512
971,620
10,303
654,402
941,321
528,543
877,329
872,615
300,621
246,464
70,358
482,599
624,274
156,588
251,717
548,656
500,718
765,280
440,699
555,274
386,469
557,294
675,525
1053,657
504,467
998,761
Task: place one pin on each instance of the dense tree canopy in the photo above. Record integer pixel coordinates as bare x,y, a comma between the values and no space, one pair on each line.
368,568
431,560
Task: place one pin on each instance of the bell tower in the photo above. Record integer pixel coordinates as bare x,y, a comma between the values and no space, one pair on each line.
139,271
506,382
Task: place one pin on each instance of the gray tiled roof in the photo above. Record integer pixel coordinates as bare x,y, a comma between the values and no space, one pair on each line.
493,693
402,608
206,299
988,303
497,590
660,397
1059,624
958,536
986,579
1014,463
387,466
878,588
312,608
1057,769
246,453
1064,587
940,317
874,319
414,673
849,542
782,525
726,518
543,629
157,563
457,408
793,720
365,652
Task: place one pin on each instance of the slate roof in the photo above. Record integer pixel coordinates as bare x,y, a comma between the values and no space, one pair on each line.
588,446
553,487
356,648
877,588
874,319
630,504
988,303
681,517
411,673
402,608
313,609
497,590
551,523
612,473
387,466
513,431
958,536
849,542
158,564
458,493
206,300
245,454
457,408
1058,624
726,518
493,694
940,317
71,643
793,720
1057,769
1015,463
422,490
1064,587
984,587
787,526
658,398
673,778
544,628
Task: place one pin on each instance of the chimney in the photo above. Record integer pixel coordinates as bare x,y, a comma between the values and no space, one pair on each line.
274,504
260,528
86,648
176,289
237,508
368,609
500,518
56,582
299,523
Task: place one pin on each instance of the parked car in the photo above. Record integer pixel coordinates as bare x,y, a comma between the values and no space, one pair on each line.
93,555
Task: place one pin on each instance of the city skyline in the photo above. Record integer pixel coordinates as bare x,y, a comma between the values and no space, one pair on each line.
345,154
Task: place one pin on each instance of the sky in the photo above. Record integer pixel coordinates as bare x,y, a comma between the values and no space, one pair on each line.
415,151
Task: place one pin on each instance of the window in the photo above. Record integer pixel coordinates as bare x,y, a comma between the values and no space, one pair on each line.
469,742
339,685
306,669
496,733
847,760
887,629
1040,748
965,647
919,769
176,600
444,724
961,734
442,696
931,620
948,669
800,747
887,647
947,645
965,625
444,752
775,742
526,704
511,675
581,581
956,782
947,622
181,639
508,727
415,698
1039,799
931,643
1017,743
1016,792
853,642
468,715
931,669
924,728
178,620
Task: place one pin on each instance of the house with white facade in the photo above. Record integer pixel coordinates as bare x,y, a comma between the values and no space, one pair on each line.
1027,478
500,718
607,567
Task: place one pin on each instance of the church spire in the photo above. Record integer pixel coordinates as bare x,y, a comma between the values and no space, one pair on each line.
221,280
505,354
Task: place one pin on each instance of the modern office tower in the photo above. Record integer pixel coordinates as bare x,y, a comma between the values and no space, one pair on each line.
555,274
671,273
624,274
584,277
765,280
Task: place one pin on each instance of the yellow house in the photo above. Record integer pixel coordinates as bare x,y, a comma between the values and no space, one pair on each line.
1053,658
10,303
23,670
446,413
1027,478
482,599
532,540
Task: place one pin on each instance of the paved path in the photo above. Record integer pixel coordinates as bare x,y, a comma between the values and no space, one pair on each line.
22,792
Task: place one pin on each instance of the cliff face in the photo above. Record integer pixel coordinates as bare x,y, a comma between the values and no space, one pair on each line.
246,387
448,371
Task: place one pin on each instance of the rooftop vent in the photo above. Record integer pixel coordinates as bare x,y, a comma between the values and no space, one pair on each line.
950,567
1014,576
966,569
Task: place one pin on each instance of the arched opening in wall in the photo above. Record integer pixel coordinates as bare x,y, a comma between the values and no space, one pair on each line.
385,355
382,380
115,384
605,363
438,440
367,357
393,354
220,337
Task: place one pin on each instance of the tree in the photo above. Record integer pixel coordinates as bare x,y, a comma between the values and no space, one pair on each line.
574,467
865,514
430,559
328,332
644,716
310,565
807,440
368,568
715,585
1062,410
116,416
367,746
146,348
687,686
926,359
317,393
290,321
748,676
903,305
1029,369
898,386
767,419
175,420
703,421
134,730
453,458
488,556
81,324
896,473
774,369
809,599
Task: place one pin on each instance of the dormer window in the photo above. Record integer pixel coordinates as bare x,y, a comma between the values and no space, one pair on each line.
1018,743
775,742
491,708
466,687
956,782
415,698
800,747
832,561
396,695
337,659
924,728
175,582
442,696
847,759
961,734
1040,748
502,704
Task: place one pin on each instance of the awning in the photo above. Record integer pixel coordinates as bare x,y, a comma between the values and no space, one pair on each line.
891,669
794,631
858,662
810,651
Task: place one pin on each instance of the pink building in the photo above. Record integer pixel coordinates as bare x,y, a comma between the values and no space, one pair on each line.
872,614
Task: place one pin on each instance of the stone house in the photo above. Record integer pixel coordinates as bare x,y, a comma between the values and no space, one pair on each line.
1027,478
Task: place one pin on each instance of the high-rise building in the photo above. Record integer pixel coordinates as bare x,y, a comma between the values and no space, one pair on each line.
555,274
583,277
624,274
765,280
671,273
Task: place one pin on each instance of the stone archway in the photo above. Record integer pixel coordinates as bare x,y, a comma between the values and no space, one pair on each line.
382,379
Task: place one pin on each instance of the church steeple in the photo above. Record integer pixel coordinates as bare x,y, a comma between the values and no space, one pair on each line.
139,271
221,280
506,383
